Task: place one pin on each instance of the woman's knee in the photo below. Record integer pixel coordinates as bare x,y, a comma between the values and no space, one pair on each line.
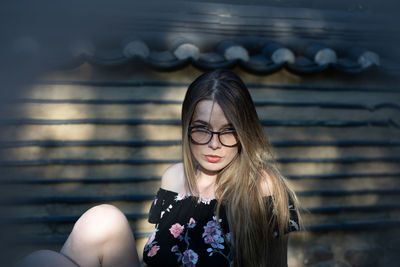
98,228
101,223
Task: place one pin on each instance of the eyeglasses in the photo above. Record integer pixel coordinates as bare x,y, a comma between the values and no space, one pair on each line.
201,136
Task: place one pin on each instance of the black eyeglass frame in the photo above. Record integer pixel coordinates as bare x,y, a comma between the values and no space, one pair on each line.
212,135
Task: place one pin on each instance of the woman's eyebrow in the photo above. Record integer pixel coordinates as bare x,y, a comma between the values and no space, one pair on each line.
206,123
201,122
227,125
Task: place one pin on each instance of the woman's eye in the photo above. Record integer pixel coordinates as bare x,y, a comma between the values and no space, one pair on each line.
200,129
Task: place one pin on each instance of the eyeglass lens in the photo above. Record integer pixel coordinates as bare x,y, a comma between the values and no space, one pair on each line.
204,136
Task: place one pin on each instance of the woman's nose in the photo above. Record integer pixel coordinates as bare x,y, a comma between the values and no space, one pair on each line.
214,142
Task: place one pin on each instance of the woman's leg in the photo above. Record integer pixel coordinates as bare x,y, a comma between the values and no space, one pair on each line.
101,237
46,258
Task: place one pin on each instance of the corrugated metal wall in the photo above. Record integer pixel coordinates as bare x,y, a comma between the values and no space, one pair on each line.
91,136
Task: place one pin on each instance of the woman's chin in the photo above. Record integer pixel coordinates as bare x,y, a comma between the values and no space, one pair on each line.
211,168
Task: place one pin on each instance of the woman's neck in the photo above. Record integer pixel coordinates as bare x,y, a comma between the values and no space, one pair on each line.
206,184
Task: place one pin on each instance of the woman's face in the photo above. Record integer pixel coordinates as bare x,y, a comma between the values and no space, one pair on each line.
213,156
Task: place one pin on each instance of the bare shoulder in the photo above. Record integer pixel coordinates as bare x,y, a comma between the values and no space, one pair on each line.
173,178
266,184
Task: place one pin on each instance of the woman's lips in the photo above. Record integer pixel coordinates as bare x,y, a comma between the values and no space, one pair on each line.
213,158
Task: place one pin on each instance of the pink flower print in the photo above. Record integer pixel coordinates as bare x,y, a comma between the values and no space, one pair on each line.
175,248
212,234
211,228
213,239
192,223
189,258
153,251
176,229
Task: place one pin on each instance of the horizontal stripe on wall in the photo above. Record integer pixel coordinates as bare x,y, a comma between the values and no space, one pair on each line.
354,225
88,180
136,216
348,226
249,85
143,143
171,102
154,161
379,123
83,199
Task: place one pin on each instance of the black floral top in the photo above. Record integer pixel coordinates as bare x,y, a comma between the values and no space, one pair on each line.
187,232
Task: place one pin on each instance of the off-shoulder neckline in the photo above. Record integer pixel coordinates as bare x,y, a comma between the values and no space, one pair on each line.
183,196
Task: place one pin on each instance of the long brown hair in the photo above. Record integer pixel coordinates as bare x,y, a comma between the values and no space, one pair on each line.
250,215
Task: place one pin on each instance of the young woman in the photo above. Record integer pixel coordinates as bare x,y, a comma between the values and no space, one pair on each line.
226,204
